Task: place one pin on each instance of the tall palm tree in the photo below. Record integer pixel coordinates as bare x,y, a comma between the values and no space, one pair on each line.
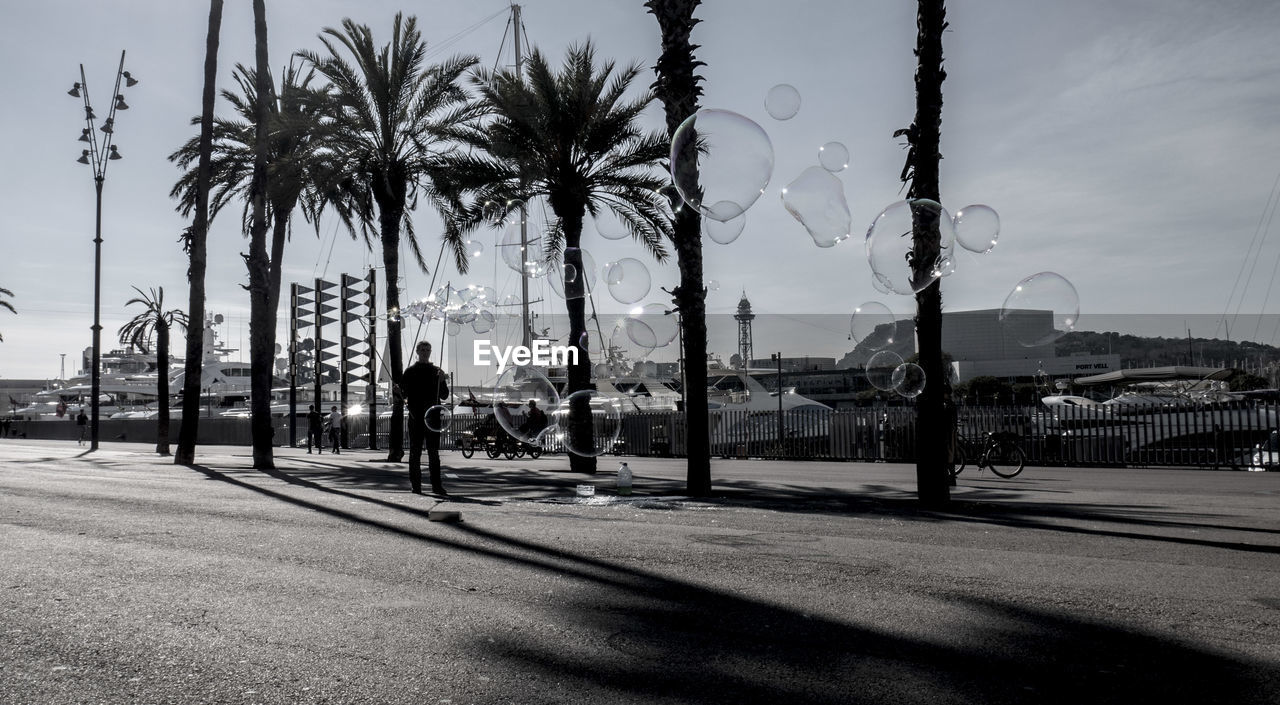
393,114
572,137
194,242
921,171
677,87
153,325
262,318
6,304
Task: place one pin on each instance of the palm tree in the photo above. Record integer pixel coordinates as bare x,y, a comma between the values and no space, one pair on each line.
194,241
921,171
393,115
6,304
294,141
153,324
570,137
677,87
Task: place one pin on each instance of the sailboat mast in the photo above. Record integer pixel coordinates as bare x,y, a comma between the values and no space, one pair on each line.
526,328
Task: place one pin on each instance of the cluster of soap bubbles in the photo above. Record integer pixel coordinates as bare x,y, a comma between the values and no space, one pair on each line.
473,305
584,423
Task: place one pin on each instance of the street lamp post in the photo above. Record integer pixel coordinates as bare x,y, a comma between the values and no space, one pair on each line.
100,153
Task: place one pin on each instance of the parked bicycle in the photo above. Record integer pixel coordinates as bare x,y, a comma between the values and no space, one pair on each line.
999,451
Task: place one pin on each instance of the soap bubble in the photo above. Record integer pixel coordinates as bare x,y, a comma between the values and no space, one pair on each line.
510,304
623,351
720,162
880,369
577,269
491,213
833,156
816,199
712,285
484,322
628,280
515,388
439,418
977,228
610,226
532,258
872,326
782,101
1040,309
452,327
656,328
724,232
589,423
890,245
908,380
473,248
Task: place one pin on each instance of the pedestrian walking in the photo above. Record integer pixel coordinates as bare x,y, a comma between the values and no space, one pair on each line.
83,422
423,386
315,426
335,429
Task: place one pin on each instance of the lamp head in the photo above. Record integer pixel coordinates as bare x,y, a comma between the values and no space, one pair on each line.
115,154
84,157
129,81
75,91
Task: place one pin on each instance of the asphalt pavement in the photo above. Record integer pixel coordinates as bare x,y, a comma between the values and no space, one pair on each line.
127,579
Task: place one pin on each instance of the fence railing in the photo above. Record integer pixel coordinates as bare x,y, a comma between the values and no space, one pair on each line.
1140,435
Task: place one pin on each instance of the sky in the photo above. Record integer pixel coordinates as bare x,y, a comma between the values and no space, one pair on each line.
1129,146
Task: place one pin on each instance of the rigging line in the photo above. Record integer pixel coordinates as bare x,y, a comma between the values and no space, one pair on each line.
333,236
498,59
449,41
1271,197
1274,268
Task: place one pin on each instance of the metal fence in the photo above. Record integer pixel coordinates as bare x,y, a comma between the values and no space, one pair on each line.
1138,435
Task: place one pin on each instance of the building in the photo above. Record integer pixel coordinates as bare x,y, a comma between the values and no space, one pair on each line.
982,345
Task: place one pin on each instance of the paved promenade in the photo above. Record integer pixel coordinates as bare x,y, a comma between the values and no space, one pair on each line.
127,579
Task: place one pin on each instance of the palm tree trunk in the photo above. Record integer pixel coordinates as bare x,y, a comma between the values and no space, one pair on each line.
677,87
162,385
390,222
261,320
932,484
571,214
197,250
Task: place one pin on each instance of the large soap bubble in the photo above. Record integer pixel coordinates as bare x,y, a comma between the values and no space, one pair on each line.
1040,309
473,248
880,369
588,423
628,280
720,162
724,232
531,259
782,101
610,226
908,380
872,326
515,388
652,326
833,156
622,351
977,228
891,248
816,199
575,273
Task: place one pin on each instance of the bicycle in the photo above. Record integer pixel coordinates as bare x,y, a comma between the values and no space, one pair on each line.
1000,452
